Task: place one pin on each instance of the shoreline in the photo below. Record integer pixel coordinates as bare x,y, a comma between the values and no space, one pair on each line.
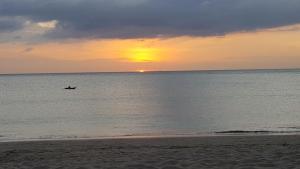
263,151
133,137
216,138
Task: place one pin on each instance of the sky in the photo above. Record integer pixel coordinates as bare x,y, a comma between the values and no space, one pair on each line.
52,36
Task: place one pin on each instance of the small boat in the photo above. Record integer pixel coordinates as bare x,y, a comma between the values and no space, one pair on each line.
70,88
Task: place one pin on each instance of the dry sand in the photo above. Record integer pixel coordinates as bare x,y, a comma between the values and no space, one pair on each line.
245,152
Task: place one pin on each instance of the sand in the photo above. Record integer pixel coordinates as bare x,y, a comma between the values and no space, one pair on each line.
246,152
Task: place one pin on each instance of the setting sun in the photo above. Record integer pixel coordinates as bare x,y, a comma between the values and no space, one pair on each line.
143,54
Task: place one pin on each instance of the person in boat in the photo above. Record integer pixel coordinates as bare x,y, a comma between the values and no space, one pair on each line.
69,87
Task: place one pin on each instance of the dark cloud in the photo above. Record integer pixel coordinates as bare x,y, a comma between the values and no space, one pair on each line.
152,18
10,24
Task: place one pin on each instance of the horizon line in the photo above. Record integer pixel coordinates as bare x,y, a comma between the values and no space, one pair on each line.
154,71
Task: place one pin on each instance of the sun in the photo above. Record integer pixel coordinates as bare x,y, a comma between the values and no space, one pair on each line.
143,54
141,71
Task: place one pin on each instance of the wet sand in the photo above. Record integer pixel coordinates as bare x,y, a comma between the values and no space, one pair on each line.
245,152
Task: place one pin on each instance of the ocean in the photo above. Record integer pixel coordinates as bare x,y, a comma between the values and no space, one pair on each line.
37,107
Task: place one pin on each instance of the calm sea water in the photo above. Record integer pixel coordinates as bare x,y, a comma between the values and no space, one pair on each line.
148,104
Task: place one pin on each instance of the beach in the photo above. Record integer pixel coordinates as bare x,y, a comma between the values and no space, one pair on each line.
158,120
255,151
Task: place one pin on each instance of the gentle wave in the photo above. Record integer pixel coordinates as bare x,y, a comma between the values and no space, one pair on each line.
256,132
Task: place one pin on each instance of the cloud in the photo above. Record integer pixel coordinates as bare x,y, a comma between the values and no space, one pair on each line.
10,24
151,18
22,29
48,24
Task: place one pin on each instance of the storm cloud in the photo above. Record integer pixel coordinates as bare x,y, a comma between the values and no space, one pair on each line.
150,18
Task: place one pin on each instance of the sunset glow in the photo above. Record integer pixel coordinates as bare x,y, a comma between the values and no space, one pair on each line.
165,72
32,44
274,48
142,54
